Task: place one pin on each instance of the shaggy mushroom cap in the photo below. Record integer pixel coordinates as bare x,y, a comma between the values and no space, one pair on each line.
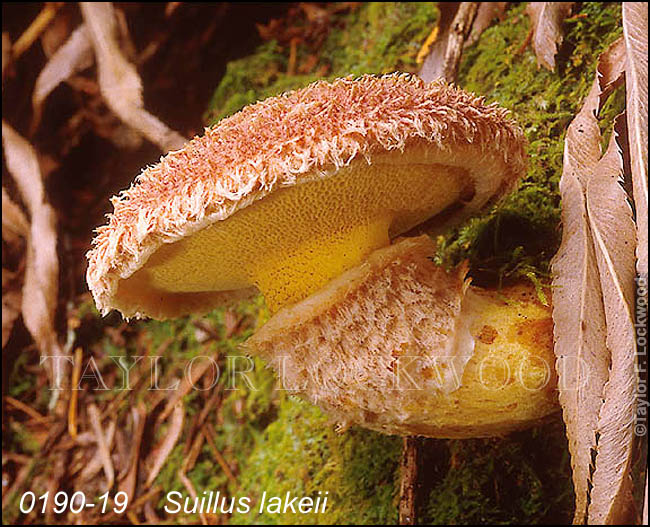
399,345
293,191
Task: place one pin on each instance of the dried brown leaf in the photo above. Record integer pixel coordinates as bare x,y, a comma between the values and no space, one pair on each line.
579,329
42,266
578,310
453,28
119,81
97,462
128,484
41,281
546,19
22,163
75,55
10,311
103,445
613,234
635,31
14,222
487,12
162,451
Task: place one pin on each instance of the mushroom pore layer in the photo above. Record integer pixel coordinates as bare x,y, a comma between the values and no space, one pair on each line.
293,242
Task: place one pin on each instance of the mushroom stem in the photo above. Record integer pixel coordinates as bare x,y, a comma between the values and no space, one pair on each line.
288,278
332,225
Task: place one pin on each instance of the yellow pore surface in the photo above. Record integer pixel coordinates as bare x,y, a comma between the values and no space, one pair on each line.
292,242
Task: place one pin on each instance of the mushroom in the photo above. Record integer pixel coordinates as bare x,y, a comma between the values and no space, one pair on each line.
399,345
299,197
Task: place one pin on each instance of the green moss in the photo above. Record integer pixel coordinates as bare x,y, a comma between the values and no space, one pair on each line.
502,481
301,453
380,37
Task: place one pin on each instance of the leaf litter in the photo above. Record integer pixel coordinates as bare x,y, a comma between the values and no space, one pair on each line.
635,31
40,287
592,308
546,29
30,284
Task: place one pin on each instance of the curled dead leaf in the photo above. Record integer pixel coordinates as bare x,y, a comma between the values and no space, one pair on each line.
613,234
162,451
546,19
591,308
635,31
579,329
119,81
39,294
75,55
